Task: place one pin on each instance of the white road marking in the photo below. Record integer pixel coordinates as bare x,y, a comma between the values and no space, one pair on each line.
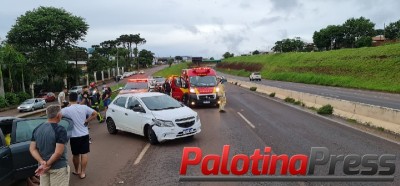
142,154
247,121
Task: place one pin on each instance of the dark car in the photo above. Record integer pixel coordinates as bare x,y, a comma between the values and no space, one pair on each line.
16,161
48,96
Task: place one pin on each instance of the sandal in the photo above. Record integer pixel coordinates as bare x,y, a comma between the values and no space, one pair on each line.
82,177
74,173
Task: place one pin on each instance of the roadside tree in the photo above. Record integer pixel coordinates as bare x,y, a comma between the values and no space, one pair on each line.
392,31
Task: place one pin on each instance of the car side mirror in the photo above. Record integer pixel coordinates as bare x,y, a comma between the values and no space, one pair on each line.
138,108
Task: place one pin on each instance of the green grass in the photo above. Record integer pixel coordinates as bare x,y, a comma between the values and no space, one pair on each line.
173,70
373,68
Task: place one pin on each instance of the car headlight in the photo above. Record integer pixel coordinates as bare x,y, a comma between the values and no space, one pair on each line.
217,89
163,123
197,118
192,90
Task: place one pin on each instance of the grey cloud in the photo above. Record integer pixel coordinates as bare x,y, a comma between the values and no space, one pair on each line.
191,28
233,41
244,5
268,20
283,33
285,4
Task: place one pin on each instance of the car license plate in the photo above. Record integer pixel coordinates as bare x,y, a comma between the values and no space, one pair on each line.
187,131
206,102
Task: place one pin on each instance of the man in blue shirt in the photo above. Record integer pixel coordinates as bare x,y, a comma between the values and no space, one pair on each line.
48,148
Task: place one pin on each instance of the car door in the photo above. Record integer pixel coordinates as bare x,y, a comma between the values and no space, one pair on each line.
6,169
176,85
117,110
23,162
134,119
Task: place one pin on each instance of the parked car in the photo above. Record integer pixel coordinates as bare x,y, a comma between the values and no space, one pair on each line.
255,76
16,160
47,96
141,72
76,89
32,104
156,116
159,80
126,74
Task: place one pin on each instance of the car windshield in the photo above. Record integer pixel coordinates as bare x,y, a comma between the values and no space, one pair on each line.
203,81
136,85
161,102
256,73
74,88
28,101
159,79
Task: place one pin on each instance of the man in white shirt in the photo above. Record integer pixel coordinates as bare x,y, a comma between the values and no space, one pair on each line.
61,96
81,115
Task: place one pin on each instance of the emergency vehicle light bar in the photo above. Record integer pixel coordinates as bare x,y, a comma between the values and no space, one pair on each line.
138,80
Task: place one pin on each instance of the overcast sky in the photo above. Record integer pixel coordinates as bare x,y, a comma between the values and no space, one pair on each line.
207,28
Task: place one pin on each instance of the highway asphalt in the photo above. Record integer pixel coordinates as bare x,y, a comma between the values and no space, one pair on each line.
285,129
383,99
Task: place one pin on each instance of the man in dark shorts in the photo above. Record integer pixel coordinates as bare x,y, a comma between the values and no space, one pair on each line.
80,134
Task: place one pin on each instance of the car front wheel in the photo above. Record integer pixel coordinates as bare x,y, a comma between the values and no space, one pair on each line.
151,136
112,129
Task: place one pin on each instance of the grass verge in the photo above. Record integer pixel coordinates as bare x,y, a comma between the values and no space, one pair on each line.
373,68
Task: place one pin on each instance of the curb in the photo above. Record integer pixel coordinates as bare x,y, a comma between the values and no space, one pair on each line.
380,117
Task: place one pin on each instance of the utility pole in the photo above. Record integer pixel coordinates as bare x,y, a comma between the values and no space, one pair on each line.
117,63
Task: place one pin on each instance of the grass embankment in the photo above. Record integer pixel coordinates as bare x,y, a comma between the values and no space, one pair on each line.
173,70
373,68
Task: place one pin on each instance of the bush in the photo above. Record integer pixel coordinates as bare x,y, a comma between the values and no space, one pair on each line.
272,94
3,102
253,88
325,110
22,96
12,98
289,100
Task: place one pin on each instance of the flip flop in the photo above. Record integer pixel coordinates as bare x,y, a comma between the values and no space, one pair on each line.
74,173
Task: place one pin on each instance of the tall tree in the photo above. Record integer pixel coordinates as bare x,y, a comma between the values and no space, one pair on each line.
357,28
47,32
11,58
138,41
256,52
227,55
146,57
392,31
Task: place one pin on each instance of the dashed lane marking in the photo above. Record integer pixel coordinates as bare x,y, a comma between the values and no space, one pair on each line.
137,161
247,121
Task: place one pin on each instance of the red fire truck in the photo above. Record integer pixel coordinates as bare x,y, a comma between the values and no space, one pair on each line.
196,86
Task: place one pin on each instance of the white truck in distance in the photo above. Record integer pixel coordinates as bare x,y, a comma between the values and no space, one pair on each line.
255,76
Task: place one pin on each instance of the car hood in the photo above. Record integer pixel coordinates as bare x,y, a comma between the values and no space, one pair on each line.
26,105
173,114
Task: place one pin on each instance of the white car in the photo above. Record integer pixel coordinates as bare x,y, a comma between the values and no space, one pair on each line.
255,76
76,89
32,104
154,115
141,72
126,74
